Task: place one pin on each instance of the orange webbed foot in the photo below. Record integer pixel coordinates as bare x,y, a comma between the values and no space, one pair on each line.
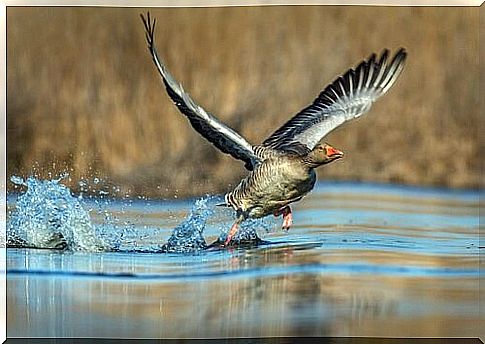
287,218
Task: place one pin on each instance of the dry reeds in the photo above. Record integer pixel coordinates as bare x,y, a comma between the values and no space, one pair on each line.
83,94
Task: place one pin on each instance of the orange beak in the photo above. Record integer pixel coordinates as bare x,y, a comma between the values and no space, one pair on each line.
333,152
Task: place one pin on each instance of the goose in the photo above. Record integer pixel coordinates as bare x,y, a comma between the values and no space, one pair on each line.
282,168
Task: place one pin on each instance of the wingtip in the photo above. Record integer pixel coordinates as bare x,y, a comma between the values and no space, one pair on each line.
372,58
383,58
401,54
146,20
400,57
385,52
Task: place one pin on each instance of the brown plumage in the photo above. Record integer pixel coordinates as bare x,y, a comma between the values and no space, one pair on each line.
279,179
282,168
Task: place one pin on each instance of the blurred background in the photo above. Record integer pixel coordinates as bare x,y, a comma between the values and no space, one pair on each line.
83,95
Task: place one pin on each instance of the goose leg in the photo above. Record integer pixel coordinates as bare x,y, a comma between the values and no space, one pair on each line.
280,211
234,229
287,217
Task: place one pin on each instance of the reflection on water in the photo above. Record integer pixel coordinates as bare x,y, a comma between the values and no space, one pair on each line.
362,260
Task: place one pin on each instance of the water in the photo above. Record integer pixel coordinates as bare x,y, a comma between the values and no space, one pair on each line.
361,260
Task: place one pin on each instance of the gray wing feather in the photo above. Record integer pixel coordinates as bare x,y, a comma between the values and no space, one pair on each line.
348,97
220,135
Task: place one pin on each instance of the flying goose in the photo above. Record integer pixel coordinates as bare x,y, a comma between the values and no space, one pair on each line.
282,168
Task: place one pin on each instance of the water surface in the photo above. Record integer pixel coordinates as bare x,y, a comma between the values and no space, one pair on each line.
361,260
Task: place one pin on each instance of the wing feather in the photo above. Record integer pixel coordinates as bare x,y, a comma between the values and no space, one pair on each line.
348,97
224,138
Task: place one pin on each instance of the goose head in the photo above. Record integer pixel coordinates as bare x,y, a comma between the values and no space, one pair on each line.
322,154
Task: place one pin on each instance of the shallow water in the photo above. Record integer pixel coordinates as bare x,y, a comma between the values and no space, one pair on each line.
361,260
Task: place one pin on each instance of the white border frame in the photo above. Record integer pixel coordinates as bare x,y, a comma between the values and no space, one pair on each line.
144,3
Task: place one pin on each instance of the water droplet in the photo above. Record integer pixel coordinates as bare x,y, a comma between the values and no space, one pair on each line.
62,176
17,180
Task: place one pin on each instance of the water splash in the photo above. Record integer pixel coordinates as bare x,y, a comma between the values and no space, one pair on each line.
247,232
48,216
187,237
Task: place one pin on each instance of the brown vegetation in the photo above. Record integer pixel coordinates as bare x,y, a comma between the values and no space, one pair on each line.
84,96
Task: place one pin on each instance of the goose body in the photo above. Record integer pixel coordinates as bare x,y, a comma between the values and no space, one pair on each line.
273,184
282,168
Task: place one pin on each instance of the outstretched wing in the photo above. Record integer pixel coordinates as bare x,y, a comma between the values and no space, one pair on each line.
221,136
348,97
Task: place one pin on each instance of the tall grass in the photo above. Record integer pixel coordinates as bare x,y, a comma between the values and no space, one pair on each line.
84,96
